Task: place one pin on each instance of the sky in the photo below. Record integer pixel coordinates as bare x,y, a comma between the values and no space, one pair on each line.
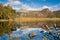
32,4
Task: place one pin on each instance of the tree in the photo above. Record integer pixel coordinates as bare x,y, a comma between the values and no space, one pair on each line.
6,12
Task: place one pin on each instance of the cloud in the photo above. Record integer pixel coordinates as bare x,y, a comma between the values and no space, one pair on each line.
46,7
12,0
43,7
17,3
16,8
24,6
13,3
28,7
55,7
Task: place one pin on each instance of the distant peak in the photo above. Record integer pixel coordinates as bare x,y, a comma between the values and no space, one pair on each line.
46,9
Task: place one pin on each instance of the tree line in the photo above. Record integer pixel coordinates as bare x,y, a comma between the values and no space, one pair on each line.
6,12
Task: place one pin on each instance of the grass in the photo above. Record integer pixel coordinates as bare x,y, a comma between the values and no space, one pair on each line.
32,19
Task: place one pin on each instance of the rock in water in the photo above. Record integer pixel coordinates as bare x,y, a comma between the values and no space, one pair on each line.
31,35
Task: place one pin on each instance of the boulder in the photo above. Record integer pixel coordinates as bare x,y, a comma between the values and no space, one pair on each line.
31,35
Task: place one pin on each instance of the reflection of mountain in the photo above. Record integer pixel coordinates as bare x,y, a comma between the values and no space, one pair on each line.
39,13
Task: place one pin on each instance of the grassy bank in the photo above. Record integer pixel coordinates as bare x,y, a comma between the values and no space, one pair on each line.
31,19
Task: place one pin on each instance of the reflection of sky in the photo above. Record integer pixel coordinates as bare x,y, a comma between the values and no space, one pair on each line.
25,36
4,37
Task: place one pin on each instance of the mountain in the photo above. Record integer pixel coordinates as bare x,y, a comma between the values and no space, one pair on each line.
57,13
39,13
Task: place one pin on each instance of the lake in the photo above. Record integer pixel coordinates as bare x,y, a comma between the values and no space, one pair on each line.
43,30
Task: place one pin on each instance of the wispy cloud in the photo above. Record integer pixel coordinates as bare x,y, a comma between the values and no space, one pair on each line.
16,8
40,8
45,7
13,3
19,3
55,7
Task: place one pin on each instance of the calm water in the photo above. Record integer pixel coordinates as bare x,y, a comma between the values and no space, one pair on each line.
38,27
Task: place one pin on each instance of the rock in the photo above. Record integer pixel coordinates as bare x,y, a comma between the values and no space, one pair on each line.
31,35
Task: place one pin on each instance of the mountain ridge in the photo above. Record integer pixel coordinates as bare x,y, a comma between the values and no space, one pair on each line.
40,13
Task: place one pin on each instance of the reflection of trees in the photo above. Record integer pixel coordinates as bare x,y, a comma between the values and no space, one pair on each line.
6,26
42,24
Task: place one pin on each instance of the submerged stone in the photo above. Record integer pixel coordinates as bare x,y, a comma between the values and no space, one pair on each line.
31,35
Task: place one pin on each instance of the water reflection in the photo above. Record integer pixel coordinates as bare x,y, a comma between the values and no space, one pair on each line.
7,26
37,24
40,24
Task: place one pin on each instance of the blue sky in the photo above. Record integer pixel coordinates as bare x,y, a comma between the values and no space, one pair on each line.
32,4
